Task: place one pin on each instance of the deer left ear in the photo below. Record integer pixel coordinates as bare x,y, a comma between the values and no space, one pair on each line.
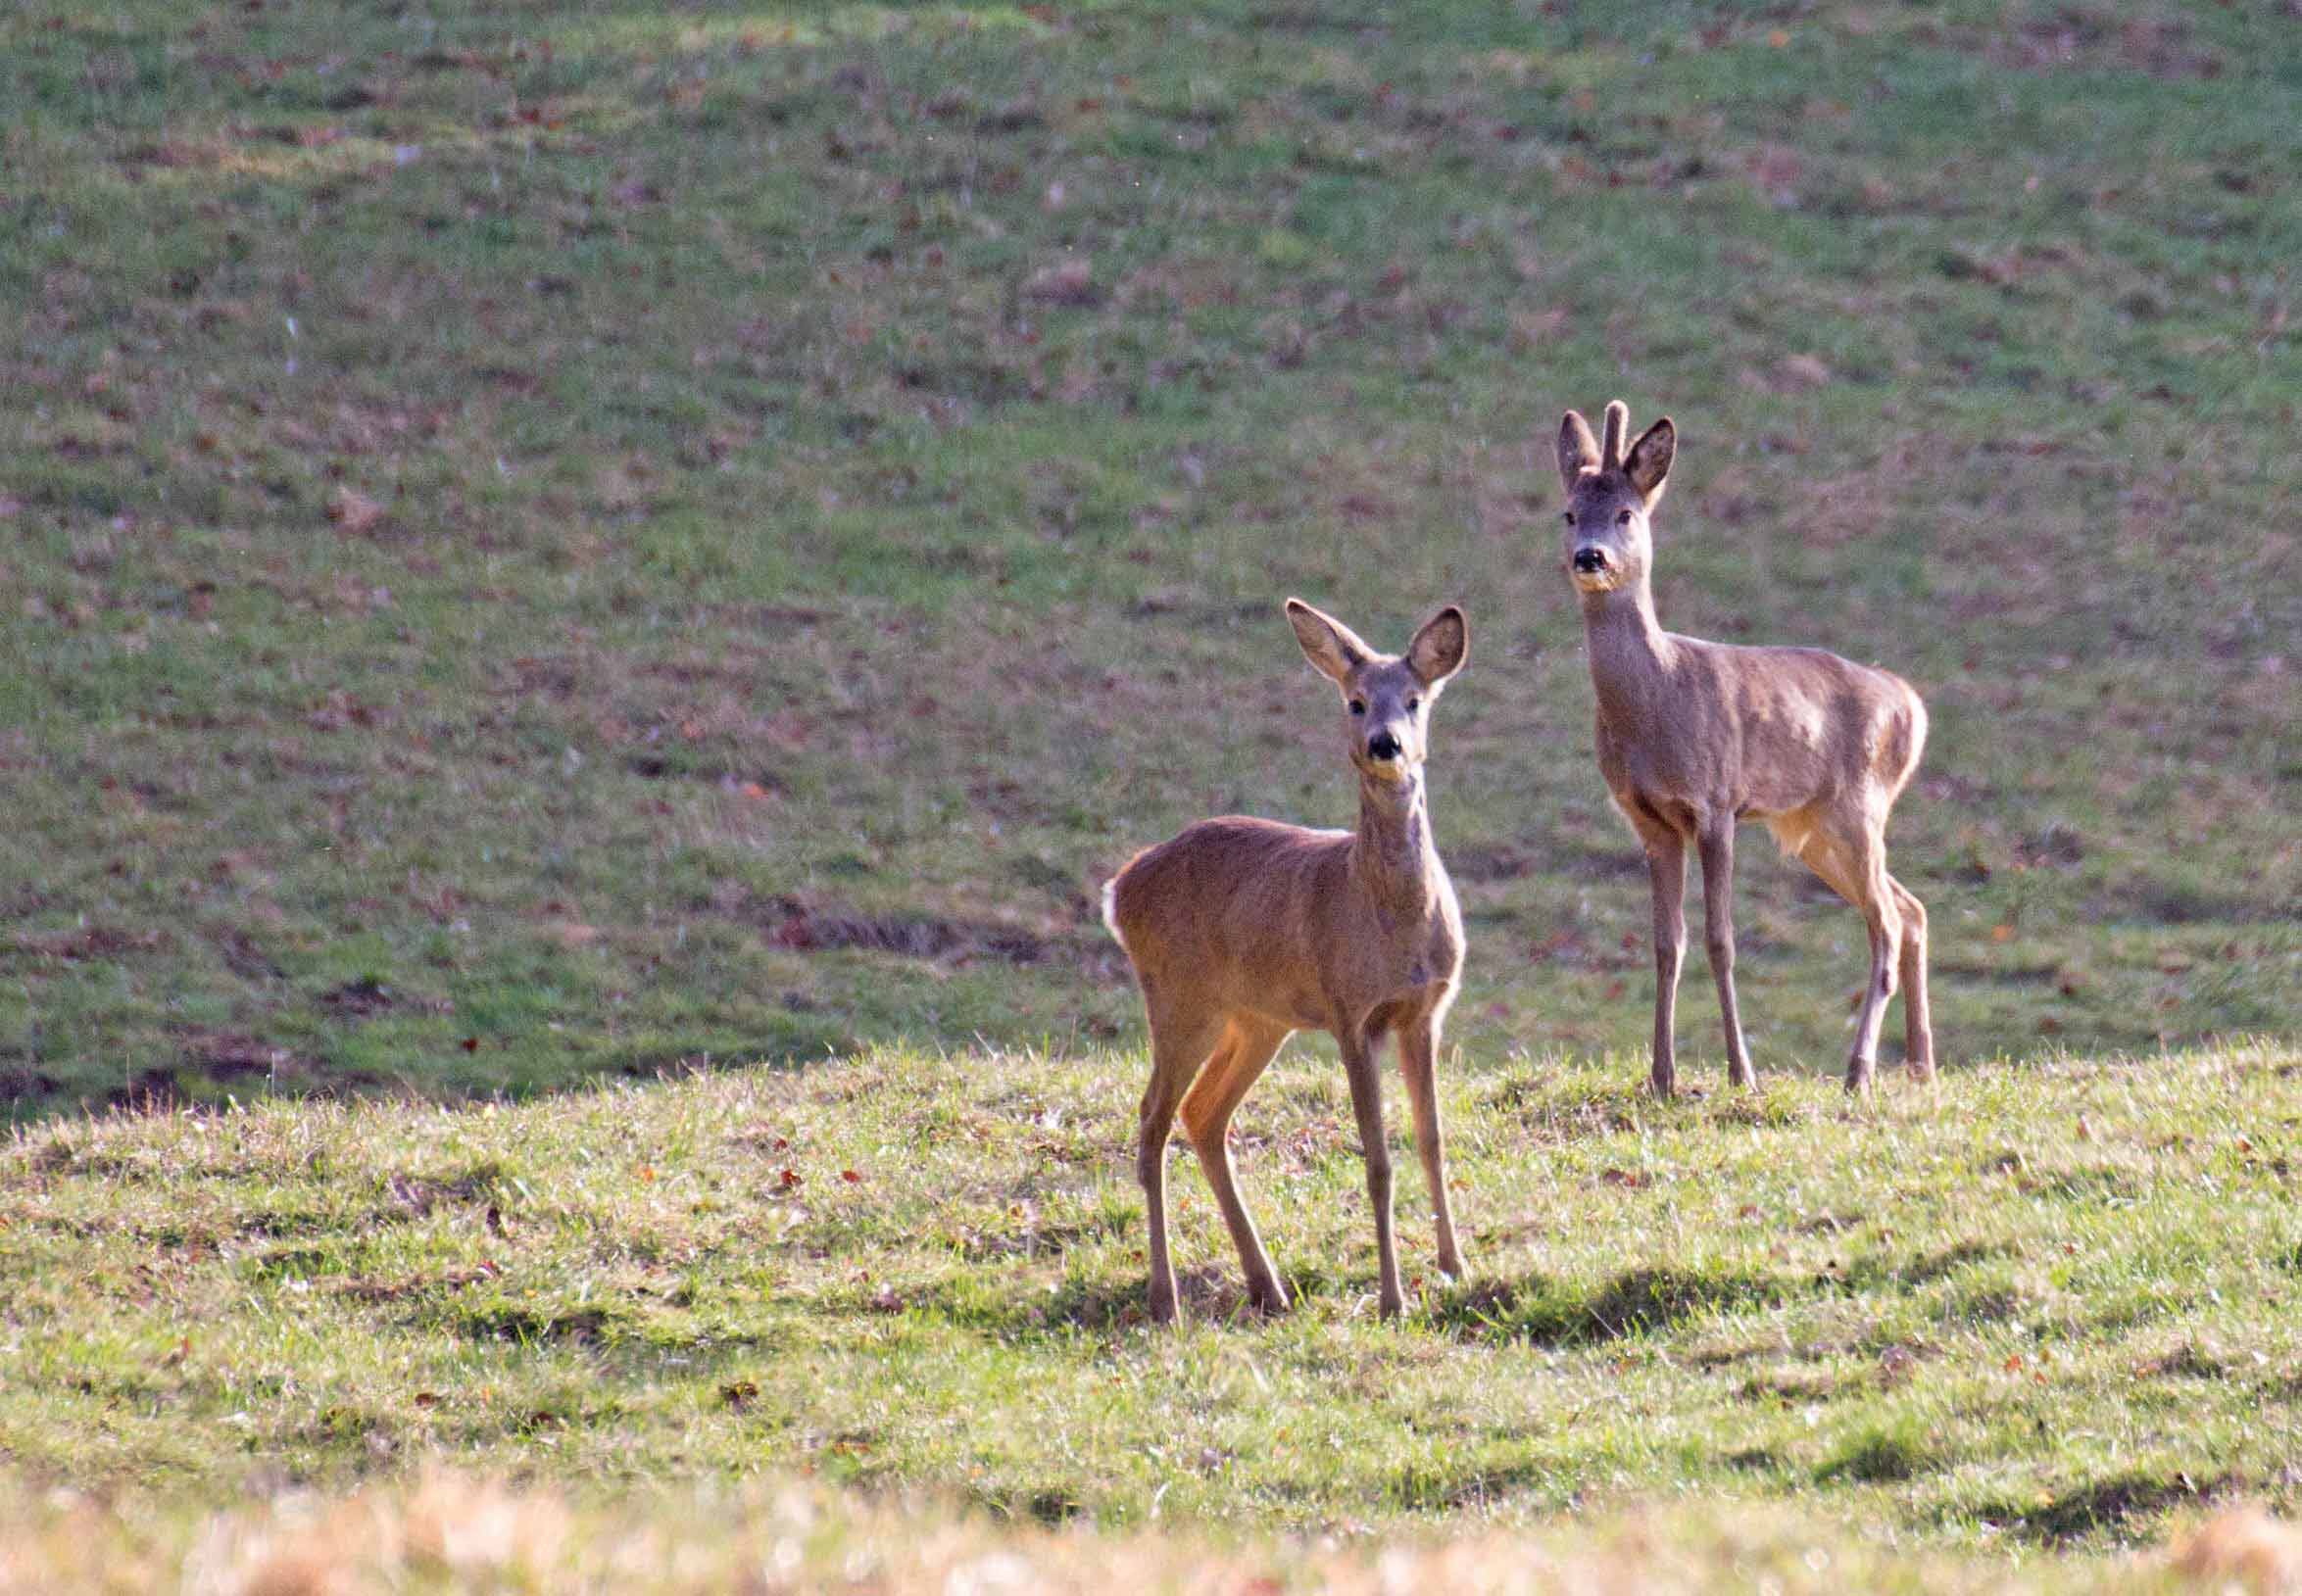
1441,648
1649,463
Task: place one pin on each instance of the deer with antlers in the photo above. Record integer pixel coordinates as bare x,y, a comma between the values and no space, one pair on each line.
1696,737
1243,930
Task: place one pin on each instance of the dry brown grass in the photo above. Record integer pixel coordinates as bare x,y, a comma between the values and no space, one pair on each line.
449,1533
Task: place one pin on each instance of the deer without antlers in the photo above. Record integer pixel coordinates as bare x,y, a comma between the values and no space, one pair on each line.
1243,930
1694,737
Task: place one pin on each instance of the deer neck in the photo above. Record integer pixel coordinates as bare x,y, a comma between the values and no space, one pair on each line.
1392,855
1629,654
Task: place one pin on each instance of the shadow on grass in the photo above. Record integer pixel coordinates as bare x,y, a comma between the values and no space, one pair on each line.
2124,1508
1639,1303
1209,1293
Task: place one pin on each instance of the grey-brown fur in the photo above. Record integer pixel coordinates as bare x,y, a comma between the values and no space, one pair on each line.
1243,930
1694,737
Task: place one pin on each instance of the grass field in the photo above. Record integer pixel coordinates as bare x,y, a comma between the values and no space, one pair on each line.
2045,1309
561,545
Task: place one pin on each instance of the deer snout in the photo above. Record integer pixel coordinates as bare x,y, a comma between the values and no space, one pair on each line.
1591,560
1383,745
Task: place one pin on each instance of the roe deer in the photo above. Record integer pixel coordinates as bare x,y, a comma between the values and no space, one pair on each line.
1243,930
1694,737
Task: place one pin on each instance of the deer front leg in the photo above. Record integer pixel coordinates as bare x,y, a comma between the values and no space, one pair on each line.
1666,863
1366,1101
1418,1053
1718,924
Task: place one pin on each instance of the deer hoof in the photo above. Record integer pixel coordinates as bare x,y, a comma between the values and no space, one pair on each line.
1267,1297
1162,1306
1858,1077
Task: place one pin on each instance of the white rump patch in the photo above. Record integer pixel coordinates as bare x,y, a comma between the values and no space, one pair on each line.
1111,912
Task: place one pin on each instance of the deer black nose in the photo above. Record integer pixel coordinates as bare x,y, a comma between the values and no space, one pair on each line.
1590,558
1382,746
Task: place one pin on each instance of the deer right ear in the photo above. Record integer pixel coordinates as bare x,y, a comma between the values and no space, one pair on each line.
1333,648
1441,648
1649,463
1578,449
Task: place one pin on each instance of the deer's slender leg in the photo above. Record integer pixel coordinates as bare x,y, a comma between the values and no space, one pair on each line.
1718,920
1246,1048
1366,1101
1852,861
1918,1023
1666,864
1885,919
1418,1054
1180,1044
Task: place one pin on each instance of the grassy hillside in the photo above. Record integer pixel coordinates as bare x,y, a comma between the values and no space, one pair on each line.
557,540
2045,1309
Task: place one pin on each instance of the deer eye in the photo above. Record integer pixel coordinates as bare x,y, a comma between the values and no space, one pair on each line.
1414,705
1359,707
1570,518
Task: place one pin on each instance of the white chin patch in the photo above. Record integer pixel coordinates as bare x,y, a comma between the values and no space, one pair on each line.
1594,581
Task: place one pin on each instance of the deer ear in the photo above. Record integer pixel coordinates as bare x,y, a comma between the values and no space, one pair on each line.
1333,648
1578,449
1441,648
1649,463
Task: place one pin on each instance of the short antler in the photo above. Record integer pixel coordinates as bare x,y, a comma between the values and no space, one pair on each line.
1618,432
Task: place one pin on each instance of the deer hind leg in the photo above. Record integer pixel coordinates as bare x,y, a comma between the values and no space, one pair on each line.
1247,1046
1180,1044
1918,1021
1853,861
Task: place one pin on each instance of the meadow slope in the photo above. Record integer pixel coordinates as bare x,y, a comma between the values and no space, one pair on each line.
566,538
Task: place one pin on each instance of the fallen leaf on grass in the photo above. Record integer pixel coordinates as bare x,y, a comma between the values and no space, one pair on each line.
1068,282
1796,372
354,511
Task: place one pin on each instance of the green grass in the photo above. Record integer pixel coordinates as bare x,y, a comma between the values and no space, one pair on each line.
2044,1309
560,545
554,543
